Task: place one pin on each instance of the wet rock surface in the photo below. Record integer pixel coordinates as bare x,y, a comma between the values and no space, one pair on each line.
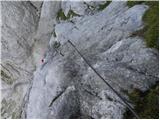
63,85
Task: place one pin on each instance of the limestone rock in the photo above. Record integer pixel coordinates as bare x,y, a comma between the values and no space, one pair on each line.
45,29
37,4
19,23
63,85
103,38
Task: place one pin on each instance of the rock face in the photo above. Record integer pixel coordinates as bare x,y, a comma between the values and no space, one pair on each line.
19,23
63,85
45,29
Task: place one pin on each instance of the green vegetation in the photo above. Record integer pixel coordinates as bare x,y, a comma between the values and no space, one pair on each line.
146,103
151,21
103,6
61,15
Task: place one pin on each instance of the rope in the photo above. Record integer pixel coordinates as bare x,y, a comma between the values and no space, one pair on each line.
127,105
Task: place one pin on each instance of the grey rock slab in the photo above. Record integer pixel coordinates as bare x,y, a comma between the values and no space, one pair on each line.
103,38
37,4
18,26
45,29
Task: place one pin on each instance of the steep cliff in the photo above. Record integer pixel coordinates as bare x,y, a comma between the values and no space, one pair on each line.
47,78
